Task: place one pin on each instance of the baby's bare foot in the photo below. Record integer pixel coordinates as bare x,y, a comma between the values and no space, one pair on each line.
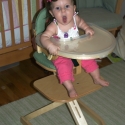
72,93
101,82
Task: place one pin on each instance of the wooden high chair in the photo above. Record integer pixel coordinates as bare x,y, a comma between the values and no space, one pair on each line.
52,90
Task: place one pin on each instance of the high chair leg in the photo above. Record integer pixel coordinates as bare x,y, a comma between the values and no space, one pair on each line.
76,112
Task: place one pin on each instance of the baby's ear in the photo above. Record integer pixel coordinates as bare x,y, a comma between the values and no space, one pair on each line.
51,13
74,8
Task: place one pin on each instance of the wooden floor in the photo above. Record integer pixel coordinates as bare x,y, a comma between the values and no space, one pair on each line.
17,82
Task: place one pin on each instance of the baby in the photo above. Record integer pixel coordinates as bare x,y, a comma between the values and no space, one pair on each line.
65,25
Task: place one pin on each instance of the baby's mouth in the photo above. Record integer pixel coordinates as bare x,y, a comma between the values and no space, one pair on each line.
64,18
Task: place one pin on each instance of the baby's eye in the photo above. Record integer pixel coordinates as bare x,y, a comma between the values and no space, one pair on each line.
57,8
67,6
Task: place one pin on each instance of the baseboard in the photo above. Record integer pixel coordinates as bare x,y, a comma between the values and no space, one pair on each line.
9,66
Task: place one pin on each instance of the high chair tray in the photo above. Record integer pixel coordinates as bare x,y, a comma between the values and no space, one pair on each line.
85,46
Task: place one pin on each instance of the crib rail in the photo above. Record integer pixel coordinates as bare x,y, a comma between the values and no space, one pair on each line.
22,44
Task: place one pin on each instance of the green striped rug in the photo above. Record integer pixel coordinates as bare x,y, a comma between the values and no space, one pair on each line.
108,102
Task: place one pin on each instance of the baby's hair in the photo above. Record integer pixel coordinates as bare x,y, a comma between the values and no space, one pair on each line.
49,7
49,4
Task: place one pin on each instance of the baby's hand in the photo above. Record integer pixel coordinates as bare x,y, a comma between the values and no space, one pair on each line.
53,49
89,31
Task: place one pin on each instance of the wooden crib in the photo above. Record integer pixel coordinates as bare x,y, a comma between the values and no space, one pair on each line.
14,45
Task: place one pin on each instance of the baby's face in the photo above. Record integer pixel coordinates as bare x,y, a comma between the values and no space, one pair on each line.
63,11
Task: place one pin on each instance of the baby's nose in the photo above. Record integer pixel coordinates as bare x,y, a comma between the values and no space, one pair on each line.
63,10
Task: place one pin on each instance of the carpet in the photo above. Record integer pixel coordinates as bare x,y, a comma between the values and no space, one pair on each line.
108,102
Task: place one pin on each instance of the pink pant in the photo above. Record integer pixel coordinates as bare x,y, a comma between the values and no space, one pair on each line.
64,68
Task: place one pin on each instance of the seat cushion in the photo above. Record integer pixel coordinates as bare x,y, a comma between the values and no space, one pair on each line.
42,59
101,17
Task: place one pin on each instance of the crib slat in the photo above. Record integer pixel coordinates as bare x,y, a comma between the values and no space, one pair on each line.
37,5
20,20
2,26
11,22
29,17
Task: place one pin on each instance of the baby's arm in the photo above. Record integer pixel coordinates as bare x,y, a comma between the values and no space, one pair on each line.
45,39
83,25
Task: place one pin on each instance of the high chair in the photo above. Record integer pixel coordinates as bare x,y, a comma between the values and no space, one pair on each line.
52,90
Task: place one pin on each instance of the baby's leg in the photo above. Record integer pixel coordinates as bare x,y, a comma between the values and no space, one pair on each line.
91,67
64,68
70,88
